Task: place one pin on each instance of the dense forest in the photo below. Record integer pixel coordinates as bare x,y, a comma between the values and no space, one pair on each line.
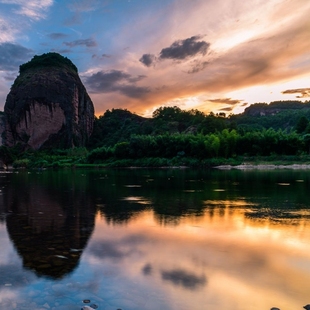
177,137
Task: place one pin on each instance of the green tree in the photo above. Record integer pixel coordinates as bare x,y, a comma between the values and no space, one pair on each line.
302,124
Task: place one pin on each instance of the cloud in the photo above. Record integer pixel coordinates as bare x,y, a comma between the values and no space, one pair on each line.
198,66
116,81
33,9
86,42
10,76
61,51
225,101
104,81
57,35
78,7
103,56
13,55
182,49
304,92
179,50
81,6
73,20
229,109
147,269
148,59
179,277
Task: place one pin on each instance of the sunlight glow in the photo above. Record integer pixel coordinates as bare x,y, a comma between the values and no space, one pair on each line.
234,39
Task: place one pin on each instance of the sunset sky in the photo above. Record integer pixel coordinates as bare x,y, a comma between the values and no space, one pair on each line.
210,55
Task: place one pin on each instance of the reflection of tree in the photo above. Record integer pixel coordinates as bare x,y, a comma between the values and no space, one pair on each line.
171,194
49,229
175,193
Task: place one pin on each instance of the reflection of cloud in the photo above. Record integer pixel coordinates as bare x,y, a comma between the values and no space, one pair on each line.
14,275
139,200
183,278
304,92
105,249
275,215
230,203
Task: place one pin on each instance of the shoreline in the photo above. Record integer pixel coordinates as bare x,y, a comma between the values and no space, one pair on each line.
263,167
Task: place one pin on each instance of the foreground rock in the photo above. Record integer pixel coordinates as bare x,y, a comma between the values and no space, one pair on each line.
48,106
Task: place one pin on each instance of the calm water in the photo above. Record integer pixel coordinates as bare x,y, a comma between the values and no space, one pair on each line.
155,239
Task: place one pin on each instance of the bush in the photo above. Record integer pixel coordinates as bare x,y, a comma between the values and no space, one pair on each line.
21,163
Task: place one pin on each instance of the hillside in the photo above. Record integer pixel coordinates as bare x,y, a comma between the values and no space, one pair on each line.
119,125
277,115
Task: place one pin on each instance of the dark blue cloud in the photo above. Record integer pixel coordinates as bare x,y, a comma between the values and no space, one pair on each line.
57,35
13,55
83,42
148,59
182,49
116,81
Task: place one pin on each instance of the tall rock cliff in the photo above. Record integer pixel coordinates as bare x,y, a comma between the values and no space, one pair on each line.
48,105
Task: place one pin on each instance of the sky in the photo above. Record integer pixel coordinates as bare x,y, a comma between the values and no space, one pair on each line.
139,55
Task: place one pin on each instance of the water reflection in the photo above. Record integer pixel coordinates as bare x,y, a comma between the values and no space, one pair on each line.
183,278
162,239
48,229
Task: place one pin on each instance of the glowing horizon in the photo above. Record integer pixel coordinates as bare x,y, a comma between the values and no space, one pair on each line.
218,56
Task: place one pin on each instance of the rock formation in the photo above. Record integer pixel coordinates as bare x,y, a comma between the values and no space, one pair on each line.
48,106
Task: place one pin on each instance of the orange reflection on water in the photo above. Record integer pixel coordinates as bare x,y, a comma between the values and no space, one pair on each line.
228,257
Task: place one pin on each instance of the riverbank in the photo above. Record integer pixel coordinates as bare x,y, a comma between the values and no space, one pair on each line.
42,160
263,167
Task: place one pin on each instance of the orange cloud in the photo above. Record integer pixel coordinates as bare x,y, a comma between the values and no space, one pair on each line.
304,92
274,49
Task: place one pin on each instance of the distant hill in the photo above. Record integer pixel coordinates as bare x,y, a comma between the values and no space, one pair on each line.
277,115
263,109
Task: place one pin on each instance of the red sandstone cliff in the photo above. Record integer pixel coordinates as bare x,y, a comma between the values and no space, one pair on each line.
48,106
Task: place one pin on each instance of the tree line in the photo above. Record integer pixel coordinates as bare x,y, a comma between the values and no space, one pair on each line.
173,132
226,144
173,136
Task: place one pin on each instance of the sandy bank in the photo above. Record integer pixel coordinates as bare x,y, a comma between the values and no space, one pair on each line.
263,167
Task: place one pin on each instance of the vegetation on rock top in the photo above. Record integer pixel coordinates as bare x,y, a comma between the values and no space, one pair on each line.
48,60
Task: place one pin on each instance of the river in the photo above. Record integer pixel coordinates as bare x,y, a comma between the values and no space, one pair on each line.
150,239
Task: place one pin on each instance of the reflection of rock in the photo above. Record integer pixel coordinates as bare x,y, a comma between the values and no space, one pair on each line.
48,234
